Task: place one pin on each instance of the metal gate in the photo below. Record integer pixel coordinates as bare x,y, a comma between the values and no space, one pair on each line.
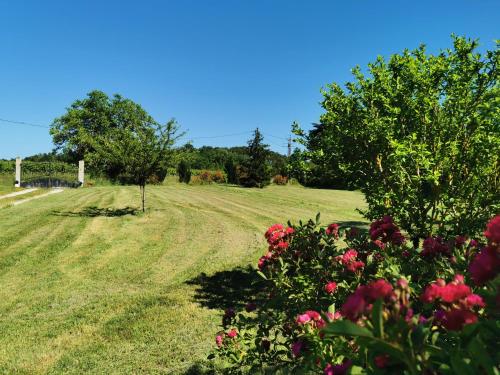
48,174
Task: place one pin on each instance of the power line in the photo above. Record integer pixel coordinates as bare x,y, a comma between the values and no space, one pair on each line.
219,136
24,123
184,137
274,136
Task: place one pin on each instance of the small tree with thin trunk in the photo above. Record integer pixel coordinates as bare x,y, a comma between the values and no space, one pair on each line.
141,151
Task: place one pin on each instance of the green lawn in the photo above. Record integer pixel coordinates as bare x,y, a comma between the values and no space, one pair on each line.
6,183
8,201
89,286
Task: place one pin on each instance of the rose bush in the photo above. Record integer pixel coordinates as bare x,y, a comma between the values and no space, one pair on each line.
341,301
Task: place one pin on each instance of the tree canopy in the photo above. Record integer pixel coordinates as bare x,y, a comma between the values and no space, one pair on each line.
93,117
420,135
141,151
256,170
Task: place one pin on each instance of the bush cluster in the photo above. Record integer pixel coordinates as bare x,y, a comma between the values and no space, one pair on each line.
207,177
280,180
376,305
418,134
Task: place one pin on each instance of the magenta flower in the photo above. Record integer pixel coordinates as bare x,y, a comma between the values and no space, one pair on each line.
297,348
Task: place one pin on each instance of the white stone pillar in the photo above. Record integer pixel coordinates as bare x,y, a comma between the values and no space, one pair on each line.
18,172
81,172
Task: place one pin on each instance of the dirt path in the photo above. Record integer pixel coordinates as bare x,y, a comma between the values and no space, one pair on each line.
54,191
15,194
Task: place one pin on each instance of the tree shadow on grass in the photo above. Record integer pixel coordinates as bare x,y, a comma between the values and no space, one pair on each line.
349,224
93,211
232,288
361,226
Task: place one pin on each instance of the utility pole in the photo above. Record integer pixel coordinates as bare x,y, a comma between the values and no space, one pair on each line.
289,146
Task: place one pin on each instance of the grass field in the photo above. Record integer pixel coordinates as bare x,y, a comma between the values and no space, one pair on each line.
6,183
89,285
8,201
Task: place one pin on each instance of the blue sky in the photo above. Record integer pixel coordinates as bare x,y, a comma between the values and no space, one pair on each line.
219,67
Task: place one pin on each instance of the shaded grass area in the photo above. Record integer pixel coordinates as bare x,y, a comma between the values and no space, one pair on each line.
90,285
228,288
94,211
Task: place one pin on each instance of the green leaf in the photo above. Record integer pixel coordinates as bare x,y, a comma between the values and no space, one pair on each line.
378,345
459,366
477,350
261,274
347,328
317,218
378,319
356,370
331,308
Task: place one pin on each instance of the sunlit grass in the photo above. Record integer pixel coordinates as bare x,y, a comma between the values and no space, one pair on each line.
90,285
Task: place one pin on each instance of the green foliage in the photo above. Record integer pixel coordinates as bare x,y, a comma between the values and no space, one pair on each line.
40,167
52,156
297,166
231,172
95,117
384,308
256,171
211,158
138,151
420,135
184,172
7,166
226,158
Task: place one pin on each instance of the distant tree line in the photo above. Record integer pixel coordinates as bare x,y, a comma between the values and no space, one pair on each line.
250,166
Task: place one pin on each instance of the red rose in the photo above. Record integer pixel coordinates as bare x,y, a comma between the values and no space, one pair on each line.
330,287
381,361
454,320
492,232
354,306
333,230
377,289
485,265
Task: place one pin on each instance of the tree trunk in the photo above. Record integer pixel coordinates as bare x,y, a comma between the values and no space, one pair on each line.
143,197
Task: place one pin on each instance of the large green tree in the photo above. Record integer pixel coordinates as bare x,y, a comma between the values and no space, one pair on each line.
92,117
420,135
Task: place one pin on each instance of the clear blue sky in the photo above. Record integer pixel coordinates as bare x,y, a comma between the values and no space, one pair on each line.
218,67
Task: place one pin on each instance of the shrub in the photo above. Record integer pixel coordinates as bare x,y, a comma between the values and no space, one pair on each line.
205,177
154,180
375,305
231,172
419,135
184,172
280,180
294,181
218,177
